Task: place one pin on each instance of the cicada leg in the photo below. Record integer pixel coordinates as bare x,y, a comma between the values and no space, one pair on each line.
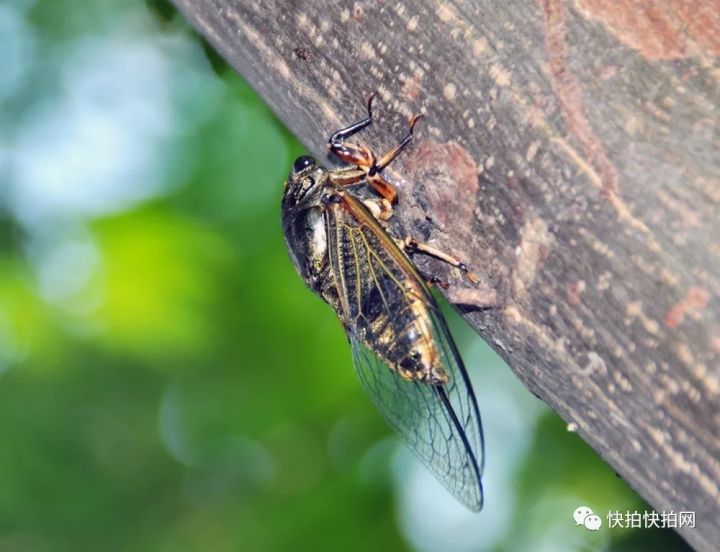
368,167
354,154
381,208
386,159
347,176
433,279
411,245
375,179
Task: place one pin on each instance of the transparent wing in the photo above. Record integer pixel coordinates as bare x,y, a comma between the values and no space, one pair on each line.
441,424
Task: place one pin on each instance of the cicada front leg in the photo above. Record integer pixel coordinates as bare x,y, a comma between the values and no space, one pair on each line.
354,154
368,166
375,178
386,159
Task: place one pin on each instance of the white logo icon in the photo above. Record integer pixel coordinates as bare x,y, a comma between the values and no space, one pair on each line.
584,516
593,522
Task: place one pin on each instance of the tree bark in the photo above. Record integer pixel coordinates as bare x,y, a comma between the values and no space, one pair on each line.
569,153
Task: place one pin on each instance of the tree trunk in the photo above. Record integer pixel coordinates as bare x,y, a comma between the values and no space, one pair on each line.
569,153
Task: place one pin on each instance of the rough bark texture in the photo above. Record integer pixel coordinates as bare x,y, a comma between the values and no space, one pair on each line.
570,154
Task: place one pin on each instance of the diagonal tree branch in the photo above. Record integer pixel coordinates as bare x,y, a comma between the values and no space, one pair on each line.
570,154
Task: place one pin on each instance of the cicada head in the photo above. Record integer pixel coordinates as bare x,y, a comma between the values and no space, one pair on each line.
303,183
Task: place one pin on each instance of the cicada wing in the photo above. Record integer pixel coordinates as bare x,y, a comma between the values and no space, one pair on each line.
441,424
378,288
460,391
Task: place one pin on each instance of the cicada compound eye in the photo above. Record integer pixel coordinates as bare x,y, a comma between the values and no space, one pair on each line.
302,163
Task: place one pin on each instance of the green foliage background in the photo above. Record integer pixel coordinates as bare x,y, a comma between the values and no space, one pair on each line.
166,381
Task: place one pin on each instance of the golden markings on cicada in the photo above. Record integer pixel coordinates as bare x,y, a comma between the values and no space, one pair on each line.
425,350
333,222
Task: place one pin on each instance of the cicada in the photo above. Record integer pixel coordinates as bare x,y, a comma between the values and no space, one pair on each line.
335,228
